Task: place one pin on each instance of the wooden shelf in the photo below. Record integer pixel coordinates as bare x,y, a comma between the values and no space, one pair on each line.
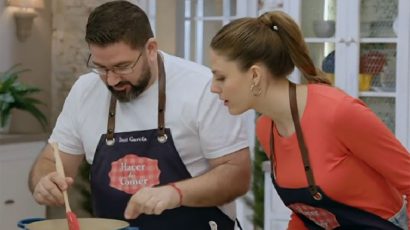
377,94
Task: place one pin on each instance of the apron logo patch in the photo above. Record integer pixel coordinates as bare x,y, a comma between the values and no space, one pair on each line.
131,173
321,217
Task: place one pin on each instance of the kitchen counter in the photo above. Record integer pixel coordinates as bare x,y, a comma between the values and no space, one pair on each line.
21,138
17,155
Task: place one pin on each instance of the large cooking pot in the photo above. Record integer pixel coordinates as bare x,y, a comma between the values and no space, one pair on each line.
85,224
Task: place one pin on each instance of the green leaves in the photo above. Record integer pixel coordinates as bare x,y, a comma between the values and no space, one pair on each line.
14,94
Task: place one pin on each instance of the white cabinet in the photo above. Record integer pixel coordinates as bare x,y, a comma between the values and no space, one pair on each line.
370,42
277,215
16,202
371,52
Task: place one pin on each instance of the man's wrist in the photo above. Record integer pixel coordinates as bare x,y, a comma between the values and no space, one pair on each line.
173,185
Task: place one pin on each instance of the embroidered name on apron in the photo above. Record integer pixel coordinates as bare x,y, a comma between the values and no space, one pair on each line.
131,173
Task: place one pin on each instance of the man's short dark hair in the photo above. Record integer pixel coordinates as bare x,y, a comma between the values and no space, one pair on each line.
118,21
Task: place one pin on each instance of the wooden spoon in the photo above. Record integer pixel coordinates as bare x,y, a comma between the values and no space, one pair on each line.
71,217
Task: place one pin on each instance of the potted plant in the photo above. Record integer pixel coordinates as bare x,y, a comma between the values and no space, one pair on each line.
15,95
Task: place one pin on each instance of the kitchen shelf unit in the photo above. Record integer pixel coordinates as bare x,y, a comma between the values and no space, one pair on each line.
388,95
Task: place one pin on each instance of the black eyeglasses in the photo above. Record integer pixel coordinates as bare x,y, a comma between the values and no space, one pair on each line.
121,70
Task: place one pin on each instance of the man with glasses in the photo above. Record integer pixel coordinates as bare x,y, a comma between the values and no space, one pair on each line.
164,152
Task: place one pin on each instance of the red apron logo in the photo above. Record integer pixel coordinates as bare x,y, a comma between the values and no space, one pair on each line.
320,216
131,173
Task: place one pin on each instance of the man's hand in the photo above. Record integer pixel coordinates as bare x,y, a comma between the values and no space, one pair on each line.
152,200
45,183
48,190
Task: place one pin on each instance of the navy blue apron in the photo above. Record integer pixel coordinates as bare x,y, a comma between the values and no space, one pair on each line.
127,161
311,204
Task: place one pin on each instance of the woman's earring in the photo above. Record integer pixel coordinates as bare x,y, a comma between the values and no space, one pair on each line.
256,90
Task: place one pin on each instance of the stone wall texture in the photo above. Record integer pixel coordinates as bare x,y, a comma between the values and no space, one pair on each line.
69,50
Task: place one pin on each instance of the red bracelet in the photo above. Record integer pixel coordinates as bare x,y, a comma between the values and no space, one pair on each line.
179,192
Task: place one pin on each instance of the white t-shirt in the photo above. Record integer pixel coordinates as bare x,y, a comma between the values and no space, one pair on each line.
201,125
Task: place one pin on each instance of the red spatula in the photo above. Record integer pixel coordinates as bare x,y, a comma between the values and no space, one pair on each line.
71,217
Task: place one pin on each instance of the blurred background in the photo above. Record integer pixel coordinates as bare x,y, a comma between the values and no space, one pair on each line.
362,45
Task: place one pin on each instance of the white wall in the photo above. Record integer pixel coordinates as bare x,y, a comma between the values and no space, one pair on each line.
34,54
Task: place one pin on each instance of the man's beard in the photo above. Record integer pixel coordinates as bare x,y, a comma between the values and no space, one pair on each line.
135,90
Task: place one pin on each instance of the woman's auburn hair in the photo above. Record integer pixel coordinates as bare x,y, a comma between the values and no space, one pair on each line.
273,39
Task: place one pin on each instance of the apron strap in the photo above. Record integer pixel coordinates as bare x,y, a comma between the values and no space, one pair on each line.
110,140
162,137
272,152
302,145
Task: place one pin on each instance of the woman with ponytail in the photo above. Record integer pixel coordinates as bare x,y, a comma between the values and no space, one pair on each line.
334,162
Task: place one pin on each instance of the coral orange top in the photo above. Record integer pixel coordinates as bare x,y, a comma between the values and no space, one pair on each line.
356,159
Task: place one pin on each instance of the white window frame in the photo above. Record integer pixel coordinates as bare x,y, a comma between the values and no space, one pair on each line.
149,6
243,8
